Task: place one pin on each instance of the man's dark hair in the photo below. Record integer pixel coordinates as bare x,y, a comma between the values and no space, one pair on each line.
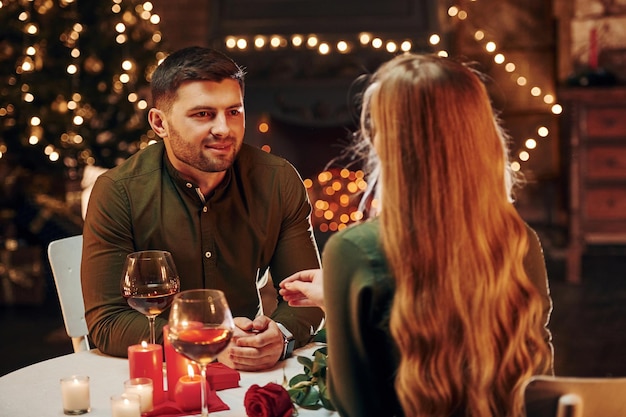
194,63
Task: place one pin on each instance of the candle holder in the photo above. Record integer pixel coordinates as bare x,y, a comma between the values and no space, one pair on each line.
75,394
142,387
187,391
126,405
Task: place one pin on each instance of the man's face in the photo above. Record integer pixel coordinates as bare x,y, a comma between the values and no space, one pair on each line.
205,126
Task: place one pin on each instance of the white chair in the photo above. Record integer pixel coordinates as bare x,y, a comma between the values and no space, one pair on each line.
65,258
546,396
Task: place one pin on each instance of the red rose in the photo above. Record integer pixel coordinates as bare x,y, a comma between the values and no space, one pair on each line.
272,400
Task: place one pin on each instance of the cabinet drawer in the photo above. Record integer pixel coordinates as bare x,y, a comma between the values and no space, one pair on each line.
606,203
606,122
606,162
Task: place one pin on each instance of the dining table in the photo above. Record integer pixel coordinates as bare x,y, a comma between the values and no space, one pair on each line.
35,390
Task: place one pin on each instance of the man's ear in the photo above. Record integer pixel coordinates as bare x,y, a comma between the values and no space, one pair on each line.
157,121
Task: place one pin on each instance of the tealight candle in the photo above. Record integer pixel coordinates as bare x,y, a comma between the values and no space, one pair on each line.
143,388
75,394
126,405
146,361
187,391
175,363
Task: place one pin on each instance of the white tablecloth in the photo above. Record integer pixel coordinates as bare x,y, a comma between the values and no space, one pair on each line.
36,391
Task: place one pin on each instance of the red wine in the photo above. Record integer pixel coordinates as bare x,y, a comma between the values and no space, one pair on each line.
201,345
151,304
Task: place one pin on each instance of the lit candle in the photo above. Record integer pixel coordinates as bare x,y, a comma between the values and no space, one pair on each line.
146,361
175,363
187,392
75,394
143,388
125,405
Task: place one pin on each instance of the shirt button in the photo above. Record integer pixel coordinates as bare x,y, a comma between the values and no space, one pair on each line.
204,209
189,185
207,254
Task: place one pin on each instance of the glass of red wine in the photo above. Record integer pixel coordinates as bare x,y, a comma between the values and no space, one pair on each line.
200,327
149,283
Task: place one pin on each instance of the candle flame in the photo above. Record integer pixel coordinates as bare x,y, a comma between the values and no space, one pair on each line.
144,344
190,371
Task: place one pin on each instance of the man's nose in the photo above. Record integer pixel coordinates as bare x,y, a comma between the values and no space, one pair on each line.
219,127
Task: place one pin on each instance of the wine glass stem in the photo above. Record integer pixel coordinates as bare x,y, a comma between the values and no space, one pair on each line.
204,391
151,320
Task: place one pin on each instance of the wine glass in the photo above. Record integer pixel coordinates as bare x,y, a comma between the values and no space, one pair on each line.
149,283
200,327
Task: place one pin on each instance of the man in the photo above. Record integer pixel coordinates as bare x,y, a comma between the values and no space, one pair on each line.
226,211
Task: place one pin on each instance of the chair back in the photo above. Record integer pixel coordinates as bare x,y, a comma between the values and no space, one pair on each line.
546,396
65,258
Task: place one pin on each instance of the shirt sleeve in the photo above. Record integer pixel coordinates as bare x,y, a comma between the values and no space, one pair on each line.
349,300
535,266
107,239
296,250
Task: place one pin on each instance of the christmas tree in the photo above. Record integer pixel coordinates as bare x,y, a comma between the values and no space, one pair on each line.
74,77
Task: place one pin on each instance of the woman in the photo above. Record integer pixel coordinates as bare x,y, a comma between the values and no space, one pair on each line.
439,306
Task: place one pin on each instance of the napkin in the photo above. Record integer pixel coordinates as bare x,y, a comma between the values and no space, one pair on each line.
171,409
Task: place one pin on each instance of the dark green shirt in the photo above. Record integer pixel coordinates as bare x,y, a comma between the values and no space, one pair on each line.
358,292
257,218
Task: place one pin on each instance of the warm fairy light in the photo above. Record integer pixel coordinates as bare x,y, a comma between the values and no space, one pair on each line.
75,53
548,99
78,120
391,47
120,27
35,121
72,69
71,105
324,48
155,19
297,40
29,97
543,131
24,16
127,65
453,11
31,50
406,46
132,97
342,46
530,143
33,140
515,166
521,81
462,15
479,35
116,8
490,46
275,41
54,156
312,41
231,42
121,38
32,29
365,38
535,91
259,41
377,43
142,104
509,67
443,54
557,109
124,78
264,127
499,59
242,43
524,156
434,39
147,6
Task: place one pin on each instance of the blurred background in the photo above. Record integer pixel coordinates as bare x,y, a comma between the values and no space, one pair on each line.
74,93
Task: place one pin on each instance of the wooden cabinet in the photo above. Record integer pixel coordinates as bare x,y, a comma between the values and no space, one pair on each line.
595,127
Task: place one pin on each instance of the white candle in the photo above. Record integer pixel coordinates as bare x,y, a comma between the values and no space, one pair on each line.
142,387
125,405
75,394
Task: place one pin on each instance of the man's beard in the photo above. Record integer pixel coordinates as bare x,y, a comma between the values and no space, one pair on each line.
200,158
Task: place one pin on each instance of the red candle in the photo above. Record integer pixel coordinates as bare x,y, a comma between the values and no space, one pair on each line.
175,363
146,361
187,392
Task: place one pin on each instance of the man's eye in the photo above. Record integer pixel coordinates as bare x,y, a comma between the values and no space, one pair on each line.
235,112
203,114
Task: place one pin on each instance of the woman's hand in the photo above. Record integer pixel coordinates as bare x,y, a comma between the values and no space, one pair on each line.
304,289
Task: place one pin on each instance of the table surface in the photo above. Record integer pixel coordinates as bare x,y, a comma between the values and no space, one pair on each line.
36,391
